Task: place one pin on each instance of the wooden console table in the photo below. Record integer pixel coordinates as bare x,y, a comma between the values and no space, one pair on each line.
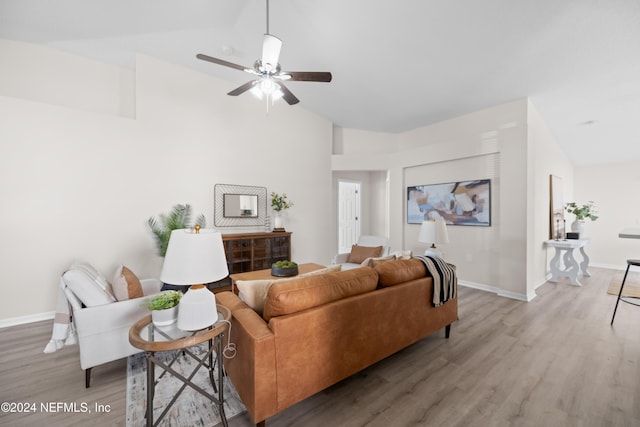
255,251
247,252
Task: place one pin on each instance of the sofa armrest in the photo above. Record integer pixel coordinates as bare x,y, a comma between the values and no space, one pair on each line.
107,317
340,258
253,369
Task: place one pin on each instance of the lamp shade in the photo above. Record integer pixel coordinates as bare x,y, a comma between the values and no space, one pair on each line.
433,232
194,258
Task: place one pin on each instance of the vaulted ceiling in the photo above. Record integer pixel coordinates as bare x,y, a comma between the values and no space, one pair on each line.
396,65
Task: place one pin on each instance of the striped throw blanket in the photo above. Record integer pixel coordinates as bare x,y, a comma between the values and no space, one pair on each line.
445,281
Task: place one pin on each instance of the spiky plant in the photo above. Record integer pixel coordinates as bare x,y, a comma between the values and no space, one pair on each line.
179,217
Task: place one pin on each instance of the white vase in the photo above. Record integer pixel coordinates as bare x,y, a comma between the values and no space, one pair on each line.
164,317
577,226
278,221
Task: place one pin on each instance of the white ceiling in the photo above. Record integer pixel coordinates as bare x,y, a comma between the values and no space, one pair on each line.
396,65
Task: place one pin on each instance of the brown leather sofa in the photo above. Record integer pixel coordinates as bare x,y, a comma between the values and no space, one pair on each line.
315,331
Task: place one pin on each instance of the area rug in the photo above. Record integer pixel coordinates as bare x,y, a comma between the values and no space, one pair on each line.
631,286
191,408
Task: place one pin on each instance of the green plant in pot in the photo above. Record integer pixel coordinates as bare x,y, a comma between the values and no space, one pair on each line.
162,226
279,204
164,307
284,268
582,213
179,217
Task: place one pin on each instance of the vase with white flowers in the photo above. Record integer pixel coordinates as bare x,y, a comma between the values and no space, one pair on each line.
279,204
582,213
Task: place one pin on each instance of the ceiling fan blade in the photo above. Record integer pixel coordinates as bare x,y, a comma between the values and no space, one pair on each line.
245,87
271,52
221,62
309,76
287,95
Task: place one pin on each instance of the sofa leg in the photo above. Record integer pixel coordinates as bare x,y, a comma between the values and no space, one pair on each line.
87,377
261,423
447,331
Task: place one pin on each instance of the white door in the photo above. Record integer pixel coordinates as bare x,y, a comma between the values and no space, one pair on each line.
348,215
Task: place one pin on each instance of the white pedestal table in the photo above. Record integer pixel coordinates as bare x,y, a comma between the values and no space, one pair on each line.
571,268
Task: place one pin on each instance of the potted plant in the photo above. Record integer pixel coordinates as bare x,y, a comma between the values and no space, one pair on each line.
164,307
581,212
284,268
279,203
179,217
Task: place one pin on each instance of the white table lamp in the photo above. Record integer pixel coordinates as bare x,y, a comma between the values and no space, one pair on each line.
433,231
195,257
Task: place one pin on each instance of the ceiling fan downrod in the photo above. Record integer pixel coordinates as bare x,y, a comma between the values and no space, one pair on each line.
267,17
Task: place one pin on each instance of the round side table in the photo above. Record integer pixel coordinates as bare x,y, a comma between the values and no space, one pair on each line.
152,339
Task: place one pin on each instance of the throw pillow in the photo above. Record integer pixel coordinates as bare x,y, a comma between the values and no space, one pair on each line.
254,292
99,280
360,253
126,285
84,285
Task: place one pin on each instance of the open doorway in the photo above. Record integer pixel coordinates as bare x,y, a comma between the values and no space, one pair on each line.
349,204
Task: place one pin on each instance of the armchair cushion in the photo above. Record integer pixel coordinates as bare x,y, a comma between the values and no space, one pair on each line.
360,253
126,285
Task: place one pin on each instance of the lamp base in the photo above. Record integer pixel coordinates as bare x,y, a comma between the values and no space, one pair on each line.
197,309
434,252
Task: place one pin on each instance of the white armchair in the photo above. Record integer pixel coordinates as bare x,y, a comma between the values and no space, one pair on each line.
103,330
366,241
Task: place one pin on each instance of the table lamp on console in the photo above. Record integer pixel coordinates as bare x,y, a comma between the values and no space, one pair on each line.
195,257
434,232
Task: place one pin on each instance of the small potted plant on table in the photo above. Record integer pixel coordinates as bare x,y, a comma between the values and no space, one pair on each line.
284,269
164,307
279,204
582,212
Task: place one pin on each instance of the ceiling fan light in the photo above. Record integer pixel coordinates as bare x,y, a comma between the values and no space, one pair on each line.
256,91
267,86
276,95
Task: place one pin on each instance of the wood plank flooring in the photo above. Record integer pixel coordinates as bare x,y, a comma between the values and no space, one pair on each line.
555,361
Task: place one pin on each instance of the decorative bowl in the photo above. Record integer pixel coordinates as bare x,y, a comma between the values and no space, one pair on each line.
284,271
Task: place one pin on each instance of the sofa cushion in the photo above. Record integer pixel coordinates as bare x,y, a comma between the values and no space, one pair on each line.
254,292
360,253
372,262
126,284
400,271
306,292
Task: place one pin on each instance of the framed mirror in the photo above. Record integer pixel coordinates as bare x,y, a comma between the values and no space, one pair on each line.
239,205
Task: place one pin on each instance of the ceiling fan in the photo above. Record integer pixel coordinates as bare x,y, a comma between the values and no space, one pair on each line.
270,76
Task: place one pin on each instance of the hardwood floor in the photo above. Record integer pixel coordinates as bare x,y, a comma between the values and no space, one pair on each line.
555,361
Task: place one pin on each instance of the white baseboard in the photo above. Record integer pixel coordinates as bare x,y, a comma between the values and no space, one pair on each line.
609,266
498,291
21,320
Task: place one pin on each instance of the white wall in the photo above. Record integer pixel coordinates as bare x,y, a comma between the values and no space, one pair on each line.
545,158
613,188
77,184
491,143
